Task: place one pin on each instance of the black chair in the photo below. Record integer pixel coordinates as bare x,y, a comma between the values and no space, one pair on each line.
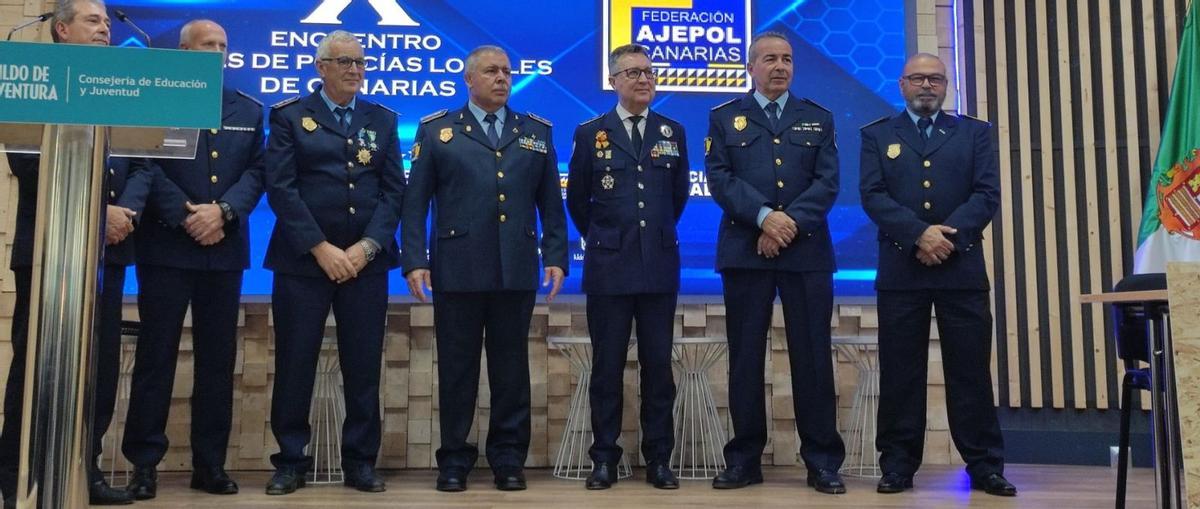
1133,348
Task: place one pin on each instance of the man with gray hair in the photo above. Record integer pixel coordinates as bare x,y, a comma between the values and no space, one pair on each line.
493,175
335,181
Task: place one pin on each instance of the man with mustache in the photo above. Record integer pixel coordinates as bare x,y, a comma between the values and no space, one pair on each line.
127,184
335,182
626,190
491,174
773,169
929,181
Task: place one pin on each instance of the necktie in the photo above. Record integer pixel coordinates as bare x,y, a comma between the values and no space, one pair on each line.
635,135
343,117
773,114
923,126
493,135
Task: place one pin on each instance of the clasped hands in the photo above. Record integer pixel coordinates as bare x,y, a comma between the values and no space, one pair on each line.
933,247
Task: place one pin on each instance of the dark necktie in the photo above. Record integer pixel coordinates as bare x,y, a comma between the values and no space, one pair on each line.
773,114
343,117
635,135
493,135
923,126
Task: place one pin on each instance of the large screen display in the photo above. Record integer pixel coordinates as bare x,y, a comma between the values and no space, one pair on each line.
848,55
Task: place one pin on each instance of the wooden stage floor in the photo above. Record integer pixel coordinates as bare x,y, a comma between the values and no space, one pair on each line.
1058,487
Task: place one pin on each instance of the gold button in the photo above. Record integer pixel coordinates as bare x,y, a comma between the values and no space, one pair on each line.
498,154
214,154
777,141
214,131
779,184
642,223
503,218
641,204
213,179
927,184
502,198
928,205
499,174
349,141
928,164
349,164
641,185
778,162
352,185
351,210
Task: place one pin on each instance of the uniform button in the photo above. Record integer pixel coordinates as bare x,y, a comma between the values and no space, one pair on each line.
777,141
928,205
502,198
214,154
641,185
779,184
503,218
112,171
778,162
352,185
352,210
451,232
928,164
927,184
743,143
498,154
608,168
808,143
668,165
112,194
779,207
349,141
500,174
639,167
642,223
641,204
349,164
213,179
214,131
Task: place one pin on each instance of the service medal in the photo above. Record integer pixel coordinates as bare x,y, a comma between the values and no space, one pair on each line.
739,122
364,156
446,134
707,145
608,182
665,130
309,124
416,151
893,151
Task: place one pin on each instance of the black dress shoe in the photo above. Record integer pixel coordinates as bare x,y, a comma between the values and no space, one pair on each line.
452,480
894,483
826,481
143,485
364,478
659,475
214,481
510,478
603,476
737,477
285,481
995,484
100,493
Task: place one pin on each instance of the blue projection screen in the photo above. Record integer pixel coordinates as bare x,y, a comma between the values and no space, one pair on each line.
848,55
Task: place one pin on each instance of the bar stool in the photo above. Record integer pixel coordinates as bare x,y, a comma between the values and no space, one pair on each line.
118,467
861,458
325,418
572,461
699,429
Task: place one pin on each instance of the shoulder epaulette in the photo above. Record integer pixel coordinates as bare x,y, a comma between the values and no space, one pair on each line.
394,112
724,104
251,98
285,102
539,119
980,120
668,119
590,120
814,103
876,121
433,116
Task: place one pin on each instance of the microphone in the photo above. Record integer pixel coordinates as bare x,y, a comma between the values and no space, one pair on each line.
123,18
41,18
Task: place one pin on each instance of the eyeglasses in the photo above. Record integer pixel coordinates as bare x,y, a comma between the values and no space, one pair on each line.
345,62
934,80
635,73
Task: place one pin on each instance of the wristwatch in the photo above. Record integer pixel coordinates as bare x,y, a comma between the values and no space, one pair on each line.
227,212
368,249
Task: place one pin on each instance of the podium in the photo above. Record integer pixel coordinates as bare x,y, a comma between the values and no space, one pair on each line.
77,105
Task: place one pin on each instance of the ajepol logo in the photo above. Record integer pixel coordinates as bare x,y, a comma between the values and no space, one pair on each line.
390,13
695,45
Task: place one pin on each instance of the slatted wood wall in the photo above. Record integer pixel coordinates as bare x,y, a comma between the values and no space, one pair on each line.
1077,91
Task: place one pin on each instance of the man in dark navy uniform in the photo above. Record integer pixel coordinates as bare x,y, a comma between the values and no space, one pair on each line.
929,181
492,174
127,184
626,190
192,249
335,182
773,169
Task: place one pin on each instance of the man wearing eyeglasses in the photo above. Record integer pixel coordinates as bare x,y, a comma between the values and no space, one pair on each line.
929,182
773,169
335,182
491,175
626,190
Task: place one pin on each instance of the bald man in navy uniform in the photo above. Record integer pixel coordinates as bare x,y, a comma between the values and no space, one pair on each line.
491,175
929,181
626,191
773,169
335,181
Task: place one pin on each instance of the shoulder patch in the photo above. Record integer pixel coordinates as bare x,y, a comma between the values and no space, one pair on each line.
284,102
590,120
814,103
539,119
251,98
726,103
876,121
433,116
